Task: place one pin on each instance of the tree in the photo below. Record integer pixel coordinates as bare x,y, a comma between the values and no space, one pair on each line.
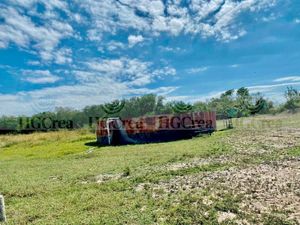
292,99
139,106
159,108
228,93
227,101
243,92
201,106
243,100
8,124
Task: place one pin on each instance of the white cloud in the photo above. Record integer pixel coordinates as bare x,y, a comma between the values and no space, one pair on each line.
33,63
205,18
194,98
78,96
269,18
20,29
196,70
114,45
131,71
222,24
133,40
94,35
49,5
198,17
97,81
297,21
63,56
113,67
269,87
171,49
290,78
274,92
234,65
39,76
176,25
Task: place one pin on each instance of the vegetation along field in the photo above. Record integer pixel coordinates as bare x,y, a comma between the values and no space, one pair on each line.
246,175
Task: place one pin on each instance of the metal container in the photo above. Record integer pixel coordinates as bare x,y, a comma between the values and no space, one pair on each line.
149,129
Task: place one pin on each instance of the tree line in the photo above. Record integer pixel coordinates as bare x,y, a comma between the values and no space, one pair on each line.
231,103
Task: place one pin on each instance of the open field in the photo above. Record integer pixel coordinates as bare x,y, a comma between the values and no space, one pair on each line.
247,175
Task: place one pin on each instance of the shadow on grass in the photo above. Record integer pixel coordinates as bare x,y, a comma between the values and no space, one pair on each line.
228,128
92,144
97,144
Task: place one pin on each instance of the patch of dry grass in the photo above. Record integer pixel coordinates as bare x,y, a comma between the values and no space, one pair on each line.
39,138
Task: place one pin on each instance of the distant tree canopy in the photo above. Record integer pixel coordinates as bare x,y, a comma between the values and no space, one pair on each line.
292,99
230,104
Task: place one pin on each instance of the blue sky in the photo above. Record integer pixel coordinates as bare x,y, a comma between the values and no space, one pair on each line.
78,53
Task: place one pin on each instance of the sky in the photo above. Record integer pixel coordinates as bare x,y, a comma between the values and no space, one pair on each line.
79,53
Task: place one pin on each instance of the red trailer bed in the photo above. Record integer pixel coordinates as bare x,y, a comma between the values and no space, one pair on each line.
154,128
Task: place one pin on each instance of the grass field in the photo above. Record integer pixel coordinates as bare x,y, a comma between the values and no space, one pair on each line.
247,175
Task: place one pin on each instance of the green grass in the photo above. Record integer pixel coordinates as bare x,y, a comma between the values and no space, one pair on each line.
42,177
50,178
294,152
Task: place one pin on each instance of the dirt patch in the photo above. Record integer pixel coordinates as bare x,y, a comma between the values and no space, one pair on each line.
264,141
244,144
225,216
197,162
102,178
265,188
107,177
270,188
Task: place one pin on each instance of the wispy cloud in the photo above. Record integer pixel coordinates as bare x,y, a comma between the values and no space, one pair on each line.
274,92
196,70
76,96
115,45
194,98
44,31
171,49
234,65
20,29
39,76
269,87
97,81
289,78
132,71
270,17
193,18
